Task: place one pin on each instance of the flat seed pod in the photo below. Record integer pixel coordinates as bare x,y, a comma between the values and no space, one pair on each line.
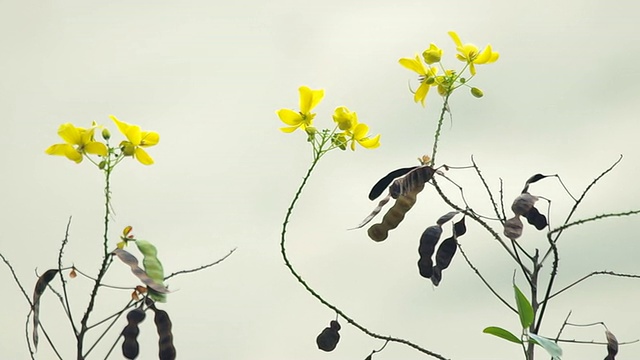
375,212
513,228
328,339
166,349
523,203
445,253
428,240
446,217
382,184
377,232
41,286
437,276
535,218
459,228
132,261
612,346
130,346
425,267
393,217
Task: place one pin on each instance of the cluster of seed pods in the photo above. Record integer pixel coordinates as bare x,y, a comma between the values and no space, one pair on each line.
329,337
446,250
403,185
130,346
523,205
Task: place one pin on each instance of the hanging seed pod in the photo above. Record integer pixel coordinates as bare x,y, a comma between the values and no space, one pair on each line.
413,180
395,215
329,337
523,203
428,240
382,184
459,228
535,218
446,217
513,228
41,286
425,267
130,346
445,253
612,346
437,276
166,350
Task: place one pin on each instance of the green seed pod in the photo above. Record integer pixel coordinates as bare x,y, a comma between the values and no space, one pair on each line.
329,337
477,92
165,342
130,346
153,267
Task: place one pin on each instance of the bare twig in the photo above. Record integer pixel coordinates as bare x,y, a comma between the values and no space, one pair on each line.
602,272
201,267
486,187
66,305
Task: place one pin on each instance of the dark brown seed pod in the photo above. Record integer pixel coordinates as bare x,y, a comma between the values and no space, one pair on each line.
513,228
446,217
382,184
437,276
535,218
459,228
329,337
445,253
413,180
395,215
425,267
166,349
428,240
523,203
612,346
130,346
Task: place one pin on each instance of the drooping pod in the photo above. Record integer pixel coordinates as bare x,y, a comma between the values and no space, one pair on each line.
166,349
329,337
395,215
130,346
513,228
428,242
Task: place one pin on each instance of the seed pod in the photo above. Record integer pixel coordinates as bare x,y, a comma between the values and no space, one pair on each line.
523,203
535,218
382,184
513,228
329,337
425,267
445,253
612,346
446,217
395,215
459,228
130,346
166,350
412,181
437,276
428,240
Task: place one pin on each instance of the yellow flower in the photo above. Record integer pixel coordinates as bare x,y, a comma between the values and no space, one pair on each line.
432,55
136,141
78,141
304,118
426,78
470,54
353,131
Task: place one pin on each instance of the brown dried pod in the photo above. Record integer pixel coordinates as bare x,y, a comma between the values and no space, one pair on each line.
382,184
535,218
437,276
413,180
166,349
612,346
523,203
446,217
130,346
395,215
425,267
445,253
513,228
329,337
428,240
459,228
41,286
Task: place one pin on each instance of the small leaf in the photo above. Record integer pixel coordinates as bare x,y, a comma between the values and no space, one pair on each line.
525,311
41,286
552,348
382,184
502,333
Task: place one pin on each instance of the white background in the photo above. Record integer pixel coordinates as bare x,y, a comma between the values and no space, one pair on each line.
209,76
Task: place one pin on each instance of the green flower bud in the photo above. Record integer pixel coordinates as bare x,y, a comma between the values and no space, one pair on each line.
128,149
106,134
102,164
476,92
432,54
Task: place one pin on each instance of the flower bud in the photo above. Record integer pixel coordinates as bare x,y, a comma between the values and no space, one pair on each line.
432,55
106,134
102,165
128,149
477,92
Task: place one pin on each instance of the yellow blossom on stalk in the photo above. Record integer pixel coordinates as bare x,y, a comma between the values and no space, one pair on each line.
353,131
471,55
78,141
303,118
432,55
426,78
136,141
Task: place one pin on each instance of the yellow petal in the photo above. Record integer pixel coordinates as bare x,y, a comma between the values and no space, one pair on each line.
370,143
290,117
122,126
413,64
65,150
421,93
309,98
134,134
143,157
70,134
96,148
455,37
149,138
288,129
484,56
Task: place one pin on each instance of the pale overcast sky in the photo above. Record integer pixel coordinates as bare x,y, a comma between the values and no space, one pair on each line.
209,76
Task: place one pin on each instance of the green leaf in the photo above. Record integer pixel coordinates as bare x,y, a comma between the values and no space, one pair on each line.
552,348
502,333
525,311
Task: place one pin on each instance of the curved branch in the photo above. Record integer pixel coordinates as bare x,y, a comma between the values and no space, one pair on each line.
181,272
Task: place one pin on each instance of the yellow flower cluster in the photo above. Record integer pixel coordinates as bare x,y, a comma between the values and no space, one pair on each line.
348,130
428,75
80,141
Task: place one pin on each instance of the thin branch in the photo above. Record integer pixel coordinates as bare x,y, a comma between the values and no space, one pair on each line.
201,267
486,187
594,218
602,272
26,335
66,305
115,317
554,273
564,323
16,280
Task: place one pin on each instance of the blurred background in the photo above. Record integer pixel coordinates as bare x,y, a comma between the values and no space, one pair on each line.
208,76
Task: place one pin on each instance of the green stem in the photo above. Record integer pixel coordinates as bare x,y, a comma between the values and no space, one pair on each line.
445,106
317,155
